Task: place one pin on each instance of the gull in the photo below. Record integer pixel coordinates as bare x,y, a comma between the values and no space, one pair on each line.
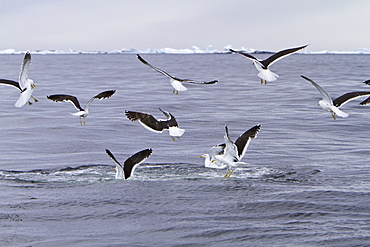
25,85
82,113
151,123
209,159
234,152
175,82
263,65
333,105
126,170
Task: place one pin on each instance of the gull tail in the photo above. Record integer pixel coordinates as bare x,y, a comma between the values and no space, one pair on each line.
268,75
23,99
339,112
79,113
176,131
177,85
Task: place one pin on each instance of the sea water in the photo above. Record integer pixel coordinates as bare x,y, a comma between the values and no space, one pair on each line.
306,183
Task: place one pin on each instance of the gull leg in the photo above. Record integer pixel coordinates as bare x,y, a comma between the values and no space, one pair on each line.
29,103
333,115
33,86
263,81
36,100
173,138
228,174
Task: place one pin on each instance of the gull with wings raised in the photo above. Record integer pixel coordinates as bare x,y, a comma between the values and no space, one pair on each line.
332,106
82,112
25,85
234,152
262,66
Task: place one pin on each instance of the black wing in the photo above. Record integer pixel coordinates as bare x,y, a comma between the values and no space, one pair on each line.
135,160
105,94
66,98
341,100
10,83
170,122
100,96
198,82
243,140
112,157
146,119
155,68
367,82
244,54
270,60
365,102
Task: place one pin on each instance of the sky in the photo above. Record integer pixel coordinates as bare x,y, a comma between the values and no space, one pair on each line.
106,25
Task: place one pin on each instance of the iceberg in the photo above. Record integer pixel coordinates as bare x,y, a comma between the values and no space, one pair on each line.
192,50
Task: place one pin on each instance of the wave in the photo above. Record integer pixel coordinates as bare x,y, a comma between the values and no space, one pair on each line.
192,50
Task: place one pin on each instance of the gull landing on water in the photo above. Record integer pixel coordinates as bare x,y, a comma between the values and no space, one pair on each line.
209,159
82,113
333,105
126,170
175,82
25,85
151,123
234,152
263,65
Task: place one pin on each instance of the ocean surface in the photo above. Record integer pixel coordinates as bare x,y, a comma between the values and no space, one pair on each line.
307,182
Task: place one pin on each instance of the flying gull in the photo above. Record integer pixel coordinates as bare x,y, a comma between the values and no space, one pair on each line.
333,105
152,124
234,152
175,82
82,113
126,170
263,65
25,85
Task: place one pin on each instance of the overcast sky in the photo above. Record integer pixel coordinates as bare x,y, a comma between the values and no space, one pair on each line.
107,25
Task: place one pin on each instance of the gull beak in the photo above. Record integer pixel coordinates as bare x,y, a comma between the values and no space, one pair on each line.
201,156
213,160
